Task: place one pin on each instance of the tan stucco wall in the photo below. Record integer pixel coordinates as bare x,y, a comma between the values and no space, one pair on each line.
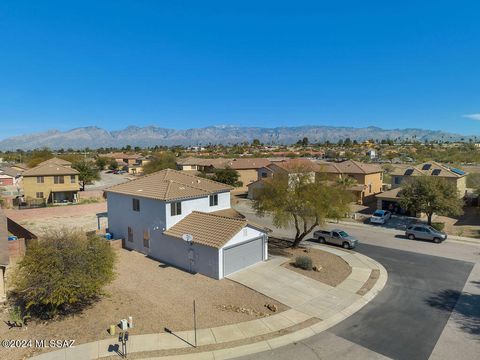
376,180
247,177
31,187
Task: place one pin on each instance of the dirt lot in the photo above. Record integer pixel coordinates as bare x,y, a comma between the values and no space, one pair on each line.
38,220
157,296
333,268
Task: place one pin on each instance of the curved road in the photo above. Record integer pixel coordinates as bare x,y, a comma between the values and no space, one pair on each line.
412,317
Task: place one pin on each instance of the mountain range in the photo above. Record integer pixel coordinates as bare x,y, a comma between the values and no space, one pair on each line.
94,137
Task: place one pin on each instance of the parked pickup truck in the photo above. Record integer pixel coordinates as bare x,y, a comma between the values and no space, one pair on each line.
337,237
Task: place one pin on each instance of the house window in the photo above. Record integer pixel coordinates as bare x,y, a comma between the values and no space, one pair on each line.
73,180
176,208
370,188
146,238
264,174
130,234
396,179
136,204
213,200
40,180
59,180
39,195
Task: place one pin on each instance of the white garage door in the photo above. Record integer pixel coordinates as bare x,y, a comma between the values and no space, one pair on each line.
242,255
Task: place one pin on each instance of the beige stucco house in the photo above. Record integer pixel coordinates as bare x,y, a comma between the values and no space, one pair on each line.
455,176
368,177
247,168
51,183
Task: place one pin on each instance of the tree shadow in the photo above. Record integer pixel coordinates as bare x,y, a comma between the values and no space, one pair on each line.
465,308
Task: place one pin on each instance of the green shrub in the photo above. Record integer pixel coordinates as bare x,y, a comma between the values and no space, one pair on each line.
438,226
304,262
61,273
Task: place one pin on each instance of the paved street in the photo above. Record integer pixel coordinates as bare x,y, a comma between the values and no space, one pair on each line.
412,317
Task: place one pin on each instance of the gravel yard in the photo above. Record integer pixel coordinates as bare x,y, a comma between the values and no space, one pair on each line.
333,268
39,220
157,296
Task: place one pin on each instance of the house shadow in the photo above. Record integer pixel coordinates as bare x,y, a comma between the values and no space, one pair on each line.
465,308
470,216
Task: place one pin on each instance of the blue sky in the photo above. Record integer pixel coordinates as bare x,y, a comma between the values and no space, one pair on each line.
182,64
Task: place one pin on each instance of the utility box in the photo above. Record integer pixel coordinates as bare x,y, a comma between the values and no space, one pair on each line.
124,324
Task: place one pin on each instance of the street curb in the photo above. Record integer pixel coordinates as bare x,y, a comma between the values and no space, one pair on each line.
96,350
455,238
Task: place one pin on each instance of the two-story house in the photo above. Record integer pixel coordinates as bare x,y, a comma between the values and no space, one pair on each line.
367,178
453,175
390,200
178,218
51,183
247,168
290,168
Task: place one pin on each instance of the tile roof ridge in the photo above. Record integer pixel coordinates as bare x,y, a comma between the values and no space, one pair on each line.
219,216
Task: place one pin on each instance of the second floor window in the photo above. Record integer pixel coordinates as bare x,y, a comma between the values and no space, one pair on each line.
72,179
213,200
40,180
136,204
59,180
397,180
130,234
176,208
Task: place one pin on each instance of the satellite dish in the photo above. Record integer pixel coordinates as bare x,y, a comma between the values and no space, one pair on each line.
187,237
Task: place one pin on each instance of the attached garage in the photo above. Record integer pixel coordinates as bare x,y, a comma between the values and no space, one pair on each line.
242,255
220,245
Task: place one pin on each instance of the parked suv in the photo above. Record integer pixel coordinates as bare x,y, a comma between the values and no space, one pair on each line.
425,232
380,217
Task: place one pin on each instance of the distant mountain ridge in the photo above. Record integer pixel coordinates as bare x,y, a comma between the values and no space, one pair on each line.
95,137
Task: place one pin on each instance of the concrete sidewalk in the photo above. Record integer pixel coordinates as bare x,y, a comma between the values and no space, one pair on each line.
313,303
459,338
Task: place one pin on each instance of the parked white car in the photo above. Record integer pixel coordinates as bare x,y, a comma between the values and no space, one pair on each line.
380,217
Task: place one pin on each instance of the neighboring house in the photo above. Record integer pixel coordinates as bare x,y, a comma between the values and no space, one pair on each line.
178,218
368,178
372,154
51,183
455,176
10,176
290,168
247,168
19,166
56,161
133,163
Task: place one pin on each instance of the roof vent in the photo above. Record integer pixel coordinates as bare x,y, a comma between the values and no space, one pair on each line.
198,181
139,190
182,187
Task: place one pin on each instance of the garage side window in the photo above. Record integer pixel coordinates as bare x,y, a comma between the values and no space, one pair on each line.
175,208
130,234
213,200
136,204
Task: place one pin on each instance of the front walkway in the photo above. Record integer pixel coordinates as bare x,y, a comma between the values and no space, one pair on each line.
315,307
